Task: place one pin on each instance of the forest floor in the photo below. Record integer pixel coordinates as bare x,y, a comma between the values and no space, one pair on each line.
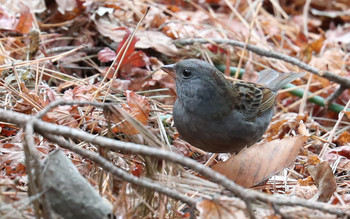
110,53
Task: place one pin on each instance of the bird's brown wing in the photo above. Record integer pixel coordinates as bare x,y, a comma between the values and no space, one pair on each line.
254,99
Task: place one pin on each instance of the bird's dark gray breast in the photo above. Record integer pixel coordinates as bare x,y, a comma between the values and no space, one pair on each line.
230,133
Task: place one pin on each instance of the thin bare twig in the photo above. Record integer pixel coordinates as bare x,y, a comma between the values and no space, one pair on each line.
345,82
30,156
334,95
110,167
35,180
331,135
245,194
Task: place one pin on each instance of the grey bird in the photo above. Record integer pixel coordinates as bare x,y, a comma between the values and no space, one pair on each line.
217,115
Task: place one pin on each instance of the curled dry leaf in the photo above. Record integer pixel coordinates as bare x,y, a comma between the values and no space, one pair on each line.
302,129
342,151
106,55
137,107
11,153
343,154
9,21
62,115
345,198
81,93
343,139
157,41
183,147
221,208
282,125
259,162
24,24
324,179
330,60
64,5
305,191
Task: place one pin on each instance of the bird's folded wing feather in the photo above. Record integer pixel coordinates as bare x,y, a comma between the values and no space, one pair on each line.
254,99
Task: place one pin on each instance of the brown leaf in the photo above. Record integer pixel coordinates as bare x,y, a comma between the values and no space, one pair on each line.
122,125
302,129
305,191
345,198
342,153
282,125
324,179
138,106
7,130
330,60
62,115
81,92
313,160
25,21
65,5
157,41
106,55
347,113
223,208
11,153
261,161
343,138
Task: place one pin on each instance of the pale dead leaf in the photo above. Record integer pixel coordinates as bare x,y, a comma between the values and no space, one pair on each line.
302,129
324,179
347,113
331,60
157,41
11,152
147,39
138,106
62,116
65,5
221,208
261,161
305,192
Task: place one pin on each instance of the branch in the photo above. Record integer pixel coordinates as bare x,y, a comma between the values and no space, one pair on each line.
343,81
33,165
239,191
334,95
110,167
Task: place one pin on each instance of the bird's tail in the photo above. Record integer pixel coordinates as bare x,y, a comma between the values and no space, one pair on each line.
276,80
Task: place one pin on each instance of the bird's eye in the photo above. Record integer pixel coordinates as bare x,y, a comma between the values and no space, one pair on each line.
186,73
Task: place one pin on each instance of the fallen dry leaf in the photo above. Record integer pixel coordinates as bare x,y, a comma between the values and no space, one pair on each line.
305,191
64,5
157,41
282,125
324,179
343,138
343,154
222,208
259,162
302,129
81,93
25,21
138,106
106,55
62,115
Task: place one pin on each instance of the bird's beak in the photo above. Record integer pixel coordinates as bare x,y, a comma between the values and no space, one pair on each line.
170,69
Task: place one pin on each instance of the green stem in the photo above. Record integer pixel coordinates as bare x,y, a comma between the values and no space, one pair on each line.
232,70
315,99
320,101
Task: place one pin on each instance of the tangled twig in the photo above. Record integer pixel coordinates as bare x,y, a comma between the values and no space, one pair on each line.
51,131
343,81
